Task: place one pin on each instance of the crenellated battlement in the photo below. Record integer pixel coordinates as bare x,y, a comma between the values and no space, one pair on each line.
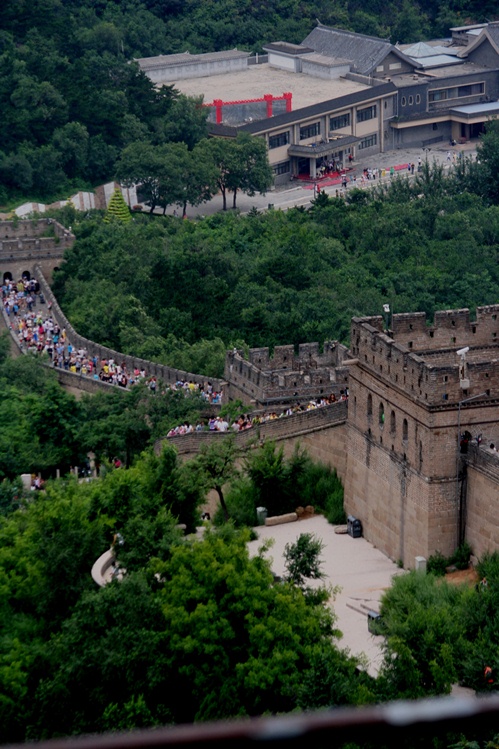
422,360
450,328
23,243
288,373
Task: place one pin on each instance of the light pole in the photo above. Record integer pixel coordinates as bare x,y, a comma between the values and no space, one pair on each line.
459,500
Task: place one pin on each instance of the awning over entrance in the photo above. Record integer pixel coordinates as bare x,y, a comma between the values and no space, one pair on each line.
324,148
475,112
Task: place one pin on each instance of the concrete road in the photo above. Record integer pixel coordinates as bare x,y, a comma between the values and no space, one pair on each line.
295,194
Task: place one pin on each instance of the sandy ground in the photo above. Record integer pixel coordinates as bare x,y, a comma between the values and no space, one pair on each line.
362,572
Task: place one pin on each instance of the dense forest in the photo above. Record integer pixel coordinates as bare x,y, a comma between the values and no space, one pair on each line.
186,291
71,102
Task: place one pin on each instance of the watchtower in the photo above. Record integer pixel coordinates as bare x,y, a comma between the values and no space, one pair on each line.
413,390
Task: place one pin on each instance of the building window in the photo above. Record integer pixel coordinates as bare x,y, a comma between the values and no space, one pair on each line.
403,101
369,405
281,139
310,131
380,68
392,422
369,113
368,142
435,126
456,92
395,65
418,99
283,168
411,101
405,430
381,415
336,123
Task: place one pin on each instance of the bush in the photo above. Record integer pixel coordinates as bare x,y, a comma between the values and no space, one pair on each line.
322,488
241,503
461,557
437,564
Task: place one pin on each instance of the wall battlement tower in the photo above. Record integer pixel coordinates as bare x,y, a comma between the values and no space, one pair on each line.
413,390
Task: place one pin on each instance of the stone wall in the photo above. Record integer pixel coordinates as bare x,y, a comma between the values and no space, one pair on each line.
406,411
287,375
308,427
423,361
165,374
22,245
482,501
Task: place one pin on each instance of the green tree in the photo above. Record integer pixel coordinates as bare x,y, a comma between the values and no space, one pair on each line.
217,463
488,155
198,180
425,642
141,164
242,164
117,209
302,559
252,172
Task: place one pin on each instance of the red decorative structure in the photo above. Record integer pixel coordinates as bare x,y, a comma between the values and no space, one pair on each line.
269,99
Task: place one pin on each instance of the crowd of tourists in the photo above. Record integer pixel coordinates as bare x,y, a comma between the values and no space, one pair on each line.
38,332
246,421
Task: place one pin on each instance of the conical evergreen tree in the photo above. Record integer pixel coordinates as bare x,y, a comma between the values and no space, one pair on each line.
117,209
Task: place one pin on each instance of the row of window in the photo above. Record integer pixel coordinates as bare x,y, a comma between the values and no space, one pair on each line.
381,418
281,139
368,142
336,123
369,113
410,100
442,94
310,131
283,168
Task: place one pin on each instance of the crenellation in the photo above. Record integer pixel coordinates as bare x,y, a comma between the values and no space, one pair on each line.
286,375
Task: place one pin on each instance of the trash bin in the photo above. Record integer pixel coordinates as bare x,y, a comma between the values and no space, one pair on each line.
354,527
261,515
375,623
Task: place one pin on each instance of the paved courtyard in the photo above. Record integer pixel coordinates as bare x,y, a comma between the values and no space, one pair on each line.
301,194
362,572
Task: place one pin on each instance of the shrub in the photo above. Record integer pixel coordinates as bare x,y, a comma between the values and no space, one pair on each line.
461,557
322,488
437,564
241,504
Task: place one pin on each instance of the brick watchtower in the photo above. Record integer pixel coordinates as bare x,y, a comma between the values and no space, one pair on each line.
410,396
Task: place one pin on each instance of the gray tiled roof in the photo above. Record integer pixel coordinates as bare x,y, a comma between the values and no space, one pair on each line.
365,52
324,60
493,32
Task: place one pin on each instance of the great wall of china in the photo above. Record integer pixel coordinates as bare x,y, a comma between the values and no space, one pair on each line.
396,444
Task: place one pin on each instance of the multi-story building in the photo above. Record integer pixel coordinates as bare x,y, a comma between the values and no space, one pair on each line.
341,96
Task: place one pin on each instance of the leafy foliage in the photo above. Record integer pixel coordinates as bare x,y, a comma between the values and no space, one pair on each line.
117,209
187,291
302,559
